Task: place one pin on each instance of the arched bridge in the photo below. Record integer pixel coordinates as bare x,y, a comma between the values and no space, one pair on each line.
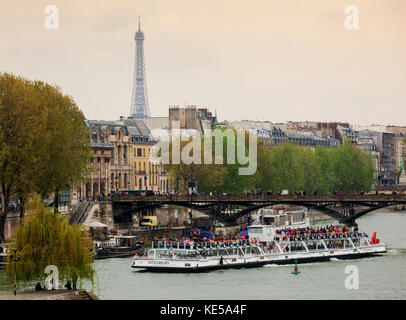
346,209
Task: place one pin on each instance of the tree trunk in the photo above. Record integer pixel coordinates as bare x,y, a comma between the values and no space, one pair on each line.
3,217
56,200
22,204
2,224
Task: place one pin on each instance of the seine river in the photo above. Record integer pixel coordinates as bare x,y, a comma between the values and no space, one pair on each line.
382,277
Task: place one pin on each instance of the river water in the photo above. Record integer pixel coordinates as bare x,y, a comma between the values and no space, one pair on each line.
381,277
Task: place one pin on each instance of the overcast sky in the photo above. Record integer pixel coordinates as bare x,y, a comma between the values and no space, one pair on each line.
274,60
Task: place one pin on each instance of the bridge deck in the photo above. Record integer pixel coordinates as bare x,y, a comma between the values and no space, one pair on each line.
345,208
401,198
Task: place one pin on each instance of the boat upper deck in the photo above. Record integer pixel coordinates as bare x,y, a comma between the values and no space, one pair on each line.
192,245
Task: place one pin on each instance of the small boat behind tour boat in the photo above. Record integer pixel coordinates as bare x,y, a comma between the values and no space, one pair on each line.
118,246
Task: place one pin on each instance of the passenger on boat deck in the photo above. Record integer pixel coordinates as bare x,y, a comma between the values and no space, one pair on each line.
186,241
315,232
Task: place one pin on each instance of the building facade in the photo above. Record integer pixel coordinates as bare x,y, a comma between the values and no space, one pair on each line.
120,159
199,119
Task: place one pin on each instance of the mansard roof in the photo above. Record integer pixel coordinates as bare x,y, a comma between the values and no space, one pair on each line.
130,127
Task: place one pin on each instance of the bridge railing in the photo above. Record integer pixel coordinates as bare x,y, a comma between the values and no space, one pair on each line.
271,198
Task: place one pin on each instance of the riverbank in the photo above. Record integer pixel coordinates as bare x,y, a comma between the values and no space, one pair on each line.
60,294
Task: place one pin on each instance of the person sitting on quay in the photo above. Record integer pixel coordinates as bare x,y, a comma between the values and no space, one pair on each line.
68,285
38,287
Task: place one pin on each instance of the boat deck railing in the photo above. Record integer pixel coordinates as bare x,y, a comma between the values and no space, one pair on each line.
203,245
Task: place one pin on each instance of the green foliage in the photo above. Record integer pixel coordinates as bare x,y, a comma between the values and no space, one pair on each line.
45,238
222,177
288,166
66,142
354,169
21,124
323,170
44,143
205,176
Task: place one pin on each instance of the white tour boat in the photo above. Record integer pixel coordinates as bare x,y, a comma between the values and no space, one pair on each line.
278,237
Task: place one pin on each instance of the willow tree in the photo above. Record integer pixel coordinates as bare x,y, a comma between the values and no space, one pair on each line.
45,238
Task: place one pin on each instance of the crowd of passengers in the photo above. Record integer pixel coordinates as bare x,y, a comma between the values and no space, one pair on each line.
315,233
197,240
287,234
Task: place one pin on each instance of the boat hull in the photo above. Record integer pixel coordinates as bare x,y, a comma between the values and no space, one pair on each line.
105,254
204,265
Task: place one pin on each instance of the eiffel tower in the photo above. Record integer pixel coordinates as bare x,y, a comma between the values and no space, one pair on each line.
139,101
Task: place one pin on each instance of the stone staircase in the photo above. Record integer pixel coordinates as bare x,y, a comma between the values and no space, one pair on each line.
84,295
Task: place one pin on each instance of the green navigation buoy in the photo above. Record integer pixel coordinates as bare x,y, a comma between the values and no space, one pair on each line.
295,270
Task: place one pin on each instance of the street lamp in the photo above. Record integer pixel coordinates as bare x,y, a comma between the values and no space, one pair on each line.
15,258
